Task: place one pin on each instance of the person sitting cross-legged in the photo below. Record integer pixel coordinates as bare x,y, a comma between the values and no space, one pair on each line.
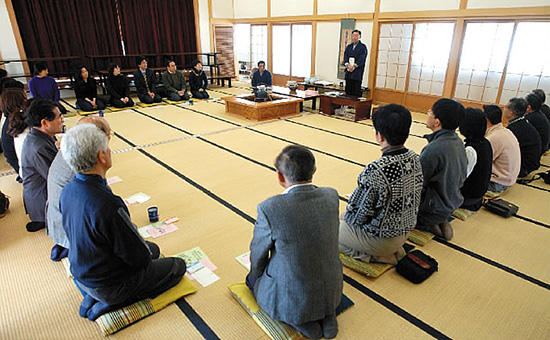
174,82
383,208
444,167
295,273
110,261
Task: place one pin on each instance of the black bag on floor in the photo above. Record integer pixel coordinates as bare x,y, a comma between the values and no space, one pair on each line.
416,266
501,207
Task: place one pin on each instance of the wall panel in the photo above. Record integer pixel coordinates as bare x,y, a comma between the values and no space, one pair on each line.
418,5
281,8
250,9
222,9
349,6
505,3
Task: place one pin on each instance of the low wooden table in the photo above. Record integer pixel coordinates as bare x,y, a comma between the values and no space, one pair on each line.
317,87
245,106
330,103
298,94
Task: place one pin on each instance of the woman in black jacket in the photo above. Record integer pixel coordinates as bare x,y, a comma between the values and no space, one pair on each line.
198,81
85,89
118,88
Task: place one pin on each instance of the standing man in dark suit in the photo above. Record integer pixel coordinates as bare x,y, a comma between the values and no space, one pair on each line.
295,272
38,153
355,57
146,83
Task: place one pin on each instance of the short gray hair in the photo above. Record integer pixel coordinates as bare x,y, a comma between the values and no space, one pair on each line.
81,145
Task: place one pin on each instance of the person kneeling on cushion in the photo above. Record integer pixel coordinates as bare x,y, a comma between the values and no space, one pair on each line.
110,261
295,273
382,210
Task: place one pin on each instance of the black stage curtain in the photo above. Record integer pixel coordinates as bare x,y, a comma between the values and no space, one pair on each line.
159,27
61,28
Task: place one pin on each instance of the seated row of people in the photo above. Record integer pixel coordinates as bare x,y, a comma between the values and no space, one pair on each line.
118,87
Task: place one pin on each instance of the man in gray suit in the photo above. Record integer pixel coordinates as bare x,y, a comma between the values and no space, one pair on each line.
59,175
39,150
295,272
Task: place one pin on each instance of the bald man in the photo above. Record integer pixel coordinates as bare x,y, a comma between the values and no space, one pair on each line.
59,175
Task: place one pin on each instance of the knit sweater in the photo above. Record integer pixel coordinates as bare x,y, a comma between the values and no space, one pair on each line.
540,122
444,169
197,80
506,155
174,82
85,89
44,88
385,202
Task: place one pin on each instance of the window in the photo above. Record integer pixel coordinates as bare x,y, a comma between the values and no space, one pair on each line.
258,44
483,61
430,57
393,56
250,44
528,66
292,50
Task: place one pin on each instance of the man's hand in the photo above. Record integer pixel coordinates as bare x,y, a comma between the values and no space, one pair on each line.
201,89
180,93
125,100
151,94
351,68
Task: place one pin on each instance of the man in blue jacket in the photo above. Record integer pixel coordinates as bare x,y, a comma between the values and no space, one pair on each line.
355,57
110,261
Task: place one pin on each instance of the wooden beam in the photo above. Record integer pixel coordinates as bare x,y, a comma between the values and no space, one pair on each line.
485,13
211,25
17,35
374,50
298,18
463,4
197,25
313,46
269,46
452,67
268,9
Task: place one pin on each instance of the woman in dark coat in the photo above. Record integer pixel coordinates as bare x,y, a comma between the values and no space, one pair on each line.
198,81
118,88
85,89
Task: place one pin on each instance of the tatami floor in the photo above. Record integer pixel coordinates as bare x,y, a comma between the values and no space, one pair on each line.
211,169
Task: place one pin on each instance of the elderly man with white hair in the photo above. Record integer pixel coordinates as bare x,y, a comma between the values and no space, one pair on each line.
110,261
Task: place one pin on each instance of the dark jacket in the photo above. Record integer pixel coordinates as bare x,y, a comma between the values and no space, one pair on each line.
360,54
139,81
539,121
39,150
197,80
529,144
106,248
117,86
477,183
85,89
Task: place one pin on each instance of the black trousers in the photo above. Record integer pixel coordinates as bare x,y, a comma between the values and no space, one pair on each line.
9,147
86,106
145,98
353,87
120,104
199,94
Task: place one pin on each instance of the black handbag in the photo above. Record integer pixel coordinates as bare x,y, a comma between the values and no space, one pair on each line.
501,207
416,266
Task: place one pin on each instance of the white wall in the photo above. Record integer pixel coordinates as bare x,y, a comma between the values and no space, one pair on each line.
506,3
326,53
250,9
282,8
8,45
341,7
204,26
222,9
419,5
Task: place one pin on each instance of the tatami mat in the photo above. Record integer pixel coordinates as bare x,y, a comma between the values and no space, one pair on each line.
493,280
